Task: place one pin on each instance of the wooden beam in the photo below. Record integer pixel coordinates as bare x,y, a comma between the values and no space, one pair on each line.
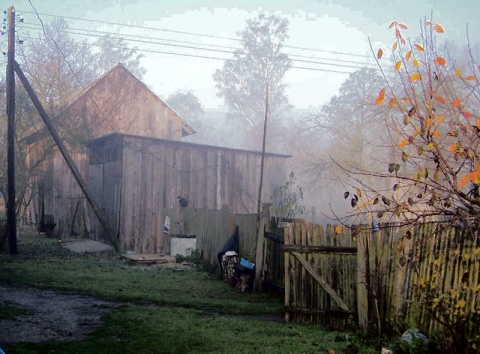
11,193
71,164
320,249
322,282
318,312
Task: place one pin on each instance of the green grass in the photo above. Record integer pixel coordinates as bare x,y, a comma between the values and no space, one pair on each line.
10,311
168,311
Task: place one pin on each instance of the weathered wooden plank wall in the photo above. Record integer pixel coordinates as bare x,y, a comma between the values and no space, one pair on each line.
213,228
156,172
308,299
383,282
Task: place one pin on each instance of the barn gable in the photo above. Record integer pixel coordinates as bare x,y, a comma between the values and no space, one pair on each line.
118,102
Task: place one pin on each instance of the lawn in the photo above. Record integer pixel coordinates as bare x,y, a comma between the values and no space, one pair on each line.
167,310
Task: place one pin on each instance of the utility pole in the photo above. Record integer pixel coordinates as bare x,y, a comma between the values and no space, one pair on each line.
11,210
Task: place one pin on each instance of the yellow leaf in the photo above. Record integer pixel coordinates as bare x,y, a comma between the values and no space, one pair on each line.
470,78
408,55
381,96
431,147
398,65
440,99
359,192
415,63
380,53
394,46
402,143
458,73
415,77
418,47
440,119
436,262
392,102
440,61
438,28
338,230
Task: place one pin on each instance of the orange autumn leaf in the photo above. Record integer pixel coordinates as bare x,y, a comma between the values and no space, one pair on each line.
338,229
402,26
380,53
408,55
438,28
440,61
381,96
394,46
478,123
440,99
418,47
415,77
453,148
440,119
463,181
392,24
458,73
456,103
398,65
436,134
428,23
392,102
470,78
403,143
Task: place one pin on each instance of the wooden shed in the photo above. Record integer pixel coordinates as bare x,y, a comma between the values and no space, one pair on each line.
117,102
126,143
136,180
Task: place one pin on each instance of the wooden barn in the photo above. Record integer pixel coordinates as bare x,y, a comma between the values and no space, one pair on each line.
126,143
138,179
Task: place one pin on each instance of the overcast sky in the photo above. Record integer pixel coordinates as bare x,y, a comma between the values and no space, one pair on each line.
332,30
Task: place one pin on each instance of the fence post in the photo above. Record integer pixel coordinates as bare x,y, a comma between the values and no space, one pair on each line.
259,255
362,279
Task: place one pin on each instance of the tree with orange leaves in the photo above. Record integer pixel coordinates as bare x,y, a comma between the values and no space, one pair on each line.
433,130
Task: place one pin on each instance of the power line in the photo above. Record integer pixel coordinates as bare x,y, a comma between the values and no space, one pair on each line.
195,34
163,41
101,34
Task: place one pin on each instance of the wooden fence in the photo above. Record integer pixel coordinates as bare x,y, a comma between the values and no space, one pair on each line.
378,277
213,228
372,278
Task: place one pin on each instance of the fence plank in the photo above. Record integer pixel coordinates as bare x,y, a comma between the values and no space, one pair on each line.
321,281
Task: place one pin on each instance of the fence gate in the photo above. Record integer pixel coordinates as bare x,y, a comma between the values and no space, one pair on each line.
320,275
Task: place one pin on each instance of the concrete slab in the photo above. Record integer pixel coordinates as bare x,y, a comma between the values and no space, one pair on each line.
83,246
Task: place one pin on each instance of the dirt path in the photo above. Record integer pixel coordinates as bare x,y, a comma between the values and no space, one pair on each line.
49,315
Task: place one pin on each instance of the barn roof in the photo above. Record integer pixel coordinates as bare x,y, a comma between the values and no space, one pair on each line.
116,136
186,129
